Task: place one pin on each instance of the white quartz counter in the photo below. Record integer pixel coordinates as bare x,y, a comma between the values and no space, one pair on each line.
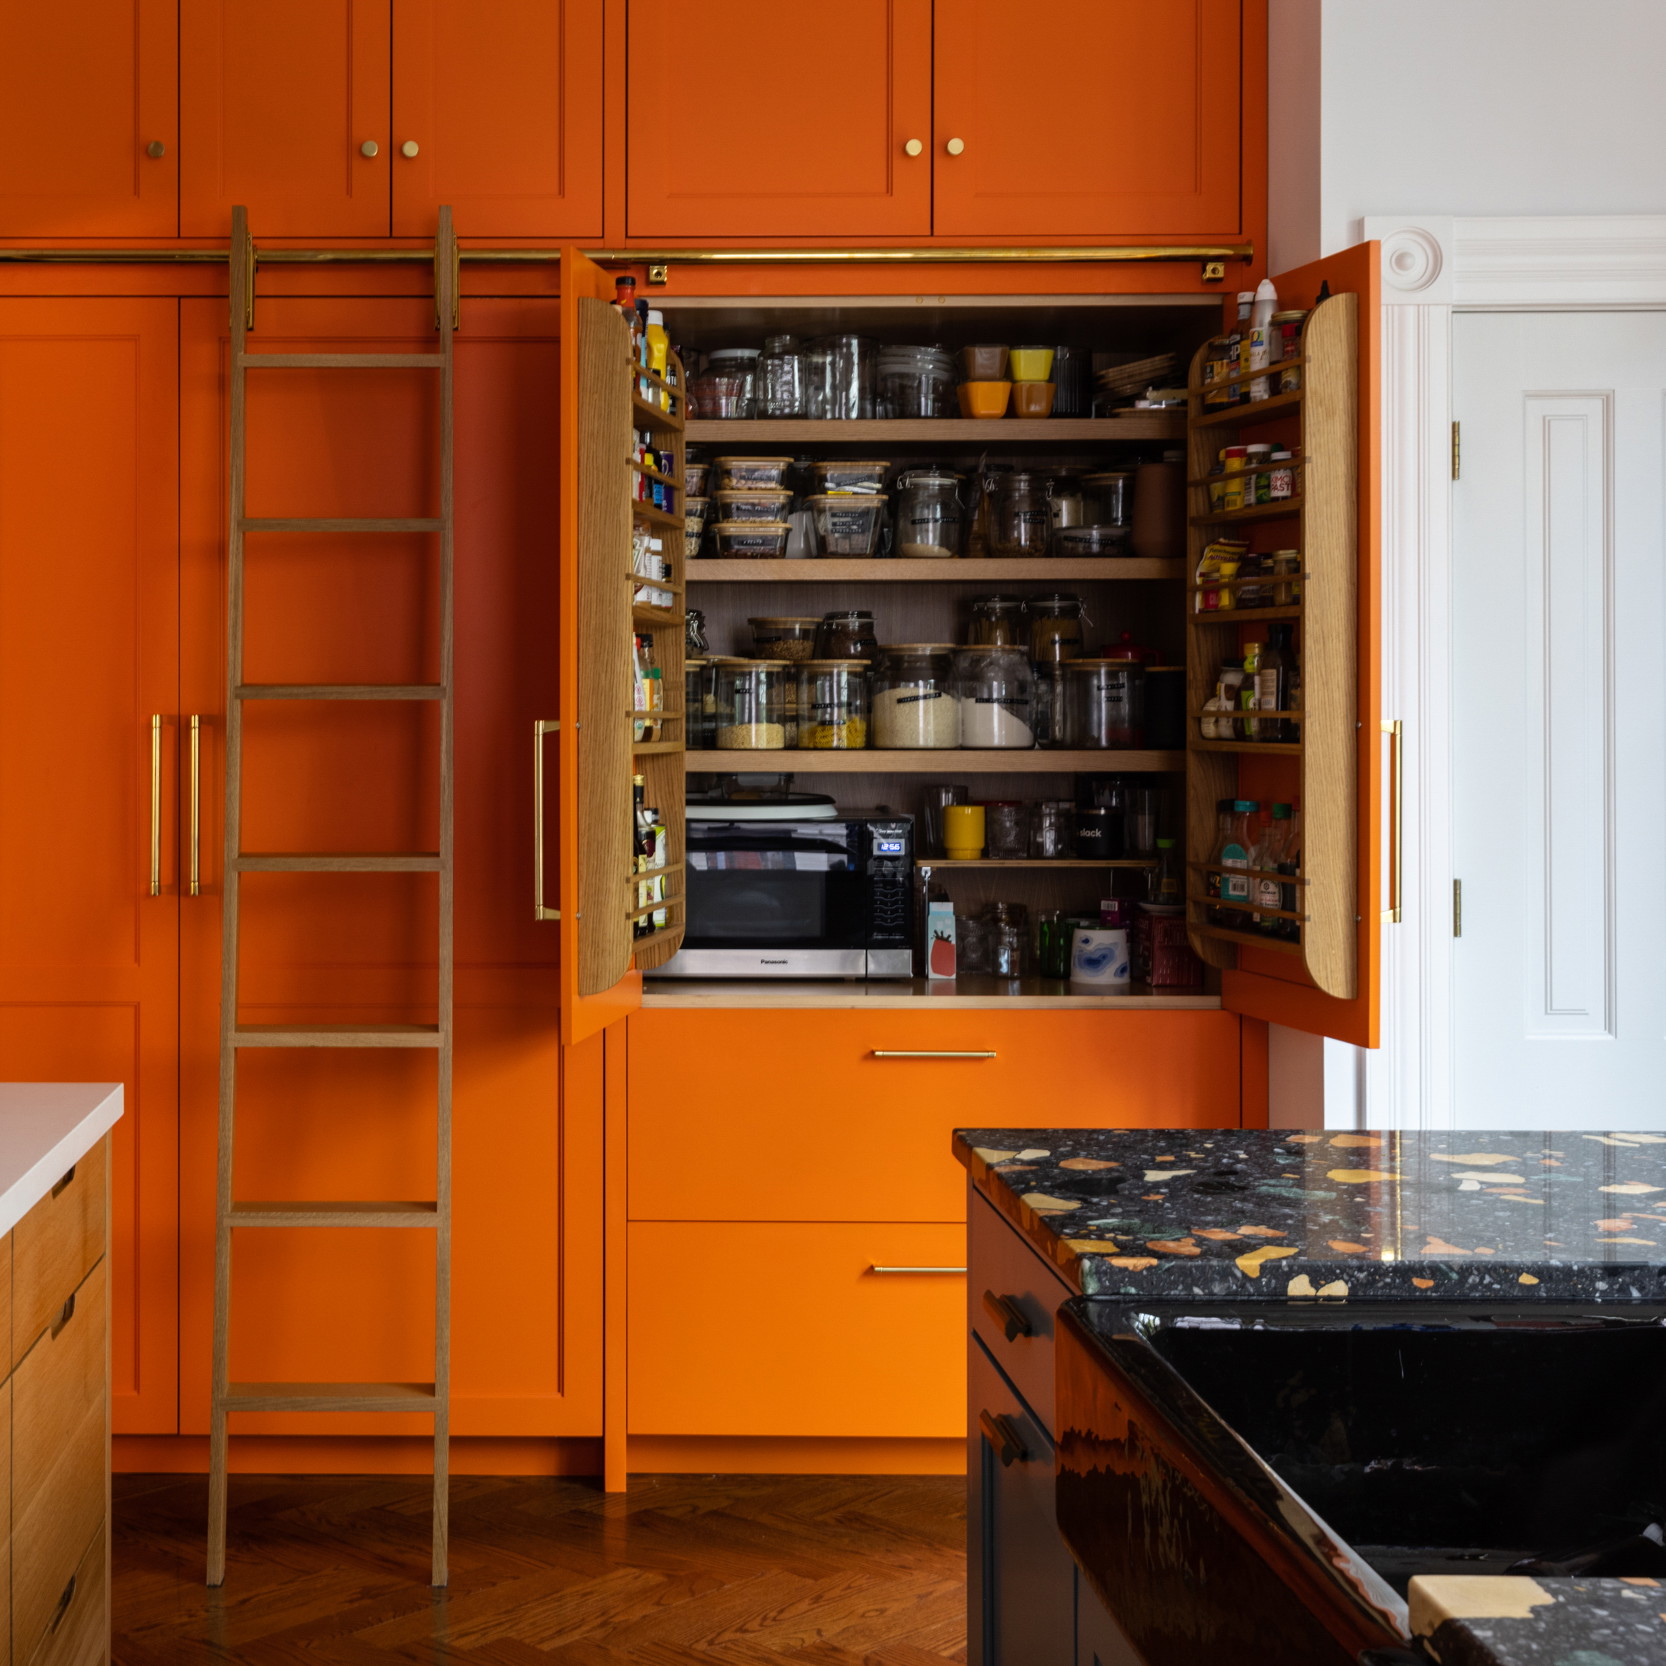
45,1129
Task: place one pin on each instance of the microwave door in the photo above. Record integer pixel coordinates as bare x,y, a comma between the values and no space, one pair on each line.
768,891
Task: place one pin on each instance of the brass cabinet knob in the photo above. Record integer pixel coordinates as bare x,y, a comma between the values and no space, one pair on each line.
370,148
156,149
913,147
955,146
409,148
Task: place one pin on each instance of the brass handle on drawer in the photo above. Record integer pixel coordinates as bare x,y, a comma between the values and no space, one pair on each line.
156,804
63,1605
930,1053
998,1430
65,1314
196,805
879,1269
1395,730
69,1175
541,727
1008,1315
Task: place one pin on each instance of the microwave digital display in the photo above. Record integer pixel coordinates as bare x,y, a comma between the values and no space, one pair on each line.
889,847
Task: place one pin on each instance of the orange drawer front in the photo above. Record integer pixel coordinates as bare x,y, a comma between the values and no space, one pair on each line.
769,1328
781,1115
55,1245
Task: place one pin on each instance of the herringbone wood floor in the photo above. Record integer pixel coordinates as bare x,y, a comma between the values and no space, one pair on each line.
679,1571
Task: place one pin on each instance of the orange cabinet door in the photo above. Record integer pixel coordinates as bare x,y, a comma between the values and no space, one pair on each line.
504,105
755,120
277,106
85,92
347,1305
89,652
1137,138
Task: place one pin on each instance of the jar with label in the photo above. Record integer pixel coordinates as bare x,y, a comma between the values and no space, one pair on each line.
1056,622
750,705
915,707
847,634
1234,459
778,386
1021,523
1258,485
929,516
833,705
995,687
1110,498
1286,343
1104,703
785,638
1287,589
1006,830
997,621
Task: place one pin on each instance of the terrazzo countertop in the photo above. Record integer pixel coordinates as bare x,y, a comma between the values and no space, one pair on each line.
1263,1214
1541,1622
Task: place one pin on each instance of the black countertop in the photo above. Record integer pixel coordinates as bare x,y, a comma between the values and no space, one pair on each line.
1262,1214
1541,1622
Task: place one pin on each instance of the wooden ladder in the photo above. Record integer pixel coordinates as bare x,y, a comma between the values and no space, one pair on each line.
230,1212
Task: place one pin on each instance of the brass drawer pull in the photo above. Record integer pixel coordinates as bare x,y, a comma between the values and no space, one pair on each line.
65,1314
1008,1315
931,1053
540,910
196,805
63,1605
156,804
69,1175
878,1269
999,1431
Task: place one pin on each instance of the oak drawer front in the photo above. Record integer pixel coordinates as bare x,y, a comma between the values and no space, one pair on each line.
78,1626
5,1305
55,1245
1013,1297
746,1115
783,1329
60,1459
5,1520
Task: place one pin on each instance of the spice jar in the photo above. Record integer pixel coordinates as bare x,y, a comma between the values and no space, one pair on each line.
1006,830
783,638
929,516
1104,703
779,384
1055,628
1021,515
847,635
915,707
833,705
1285,342
750,705
1110,498
995,687
997,621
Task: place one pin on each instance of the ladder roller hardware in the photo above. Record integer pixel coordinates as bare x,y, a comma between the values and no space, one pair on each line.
233,1214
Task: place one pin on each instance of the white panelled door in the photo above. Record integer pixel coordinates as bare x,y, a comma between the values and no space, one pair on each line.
1559,720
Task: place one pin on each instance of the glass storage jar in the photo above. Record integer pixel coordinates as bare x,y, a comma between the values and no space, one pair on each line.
1021,515
914,382
725,387
833,705
997,621
697,720
995,687
839,378
1006,829
914,703
784,638
1051,827
1056,622
929,515
1066,501
750,707
779,385
1104,703
848,634
1110,498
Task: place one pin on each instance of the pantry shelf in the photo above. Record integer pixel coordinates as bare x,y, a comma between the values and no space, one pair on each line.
1239,616
896,570
662,518
967,431
1268,748
1247,415
1279,510
948,761
1033,862
1250,939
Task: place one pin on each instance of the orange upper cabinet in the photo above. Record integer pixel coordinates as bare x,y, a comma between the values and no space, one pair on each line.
502,105
279,106
87,94
1123,120
807,121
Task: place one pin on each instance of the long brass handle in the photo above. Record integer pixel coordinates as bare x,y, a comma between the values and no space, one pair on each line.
1395,730
156,804
196,805
998,1430
930,1053
878,1269
541,726
1008,1315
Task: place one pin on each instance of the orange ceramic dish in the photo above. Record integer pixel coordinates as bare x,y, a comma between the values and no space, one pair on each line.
984,399
1033,399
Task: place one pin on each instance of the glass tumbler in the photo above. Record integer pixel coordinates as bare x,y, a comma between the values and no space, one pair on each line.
1051,828
936,800
1053,933
1006,830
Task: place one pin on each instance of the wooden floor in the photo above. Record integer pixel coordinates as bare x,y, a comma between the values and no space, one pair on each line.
679,1571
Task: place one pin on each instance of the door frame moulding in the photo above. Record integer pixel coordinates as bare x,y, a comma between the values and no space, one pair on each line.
1434,266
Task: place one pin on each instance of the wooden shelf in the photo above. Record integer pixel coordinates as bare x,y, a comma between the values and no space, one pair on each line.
654,416
656,517
947,761
973,992
1224,934
1269,748
1244,615
1033,862
1280,509
967,431
646,615
648,472
961,569
1259,410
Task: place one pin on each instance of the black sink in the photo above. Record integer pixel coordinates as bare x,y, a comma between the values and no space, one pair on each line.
1265,1479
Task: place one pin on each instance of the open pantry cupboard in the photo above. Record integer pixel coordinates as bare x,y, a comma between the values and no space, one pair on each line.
1326,980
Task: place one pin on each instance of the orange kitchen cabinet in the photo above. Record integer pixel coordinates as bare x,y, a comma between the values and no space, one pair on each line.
1122,122
797,1119
85,92
89,801
526,1308
504,104
276,104
754,120
783,1328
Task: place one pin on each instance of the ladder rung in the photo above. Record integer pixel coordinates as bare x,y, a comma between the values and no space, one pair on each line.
337,523
339,691
334,1214
336,1035
336,862
341,361
330,1397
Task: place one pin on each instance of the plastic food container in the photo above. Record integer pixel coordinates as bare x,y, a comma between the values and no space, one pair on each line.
850,476
791,639
847,523
696,510
984,399
749,705
983,364
750,474
1091,540
1031,364
758,504
751,540
914,382
1032,399
914,702
694,478
833,705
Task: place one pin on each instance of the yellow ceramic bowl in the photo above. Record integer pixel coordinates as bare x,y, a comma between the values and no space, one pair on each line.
984,399
1030,364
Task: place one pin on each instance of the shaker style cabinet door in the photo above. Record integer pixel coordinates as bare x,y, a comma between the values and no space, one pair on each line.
503,104
86,92
1028,145
278,106
800,121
